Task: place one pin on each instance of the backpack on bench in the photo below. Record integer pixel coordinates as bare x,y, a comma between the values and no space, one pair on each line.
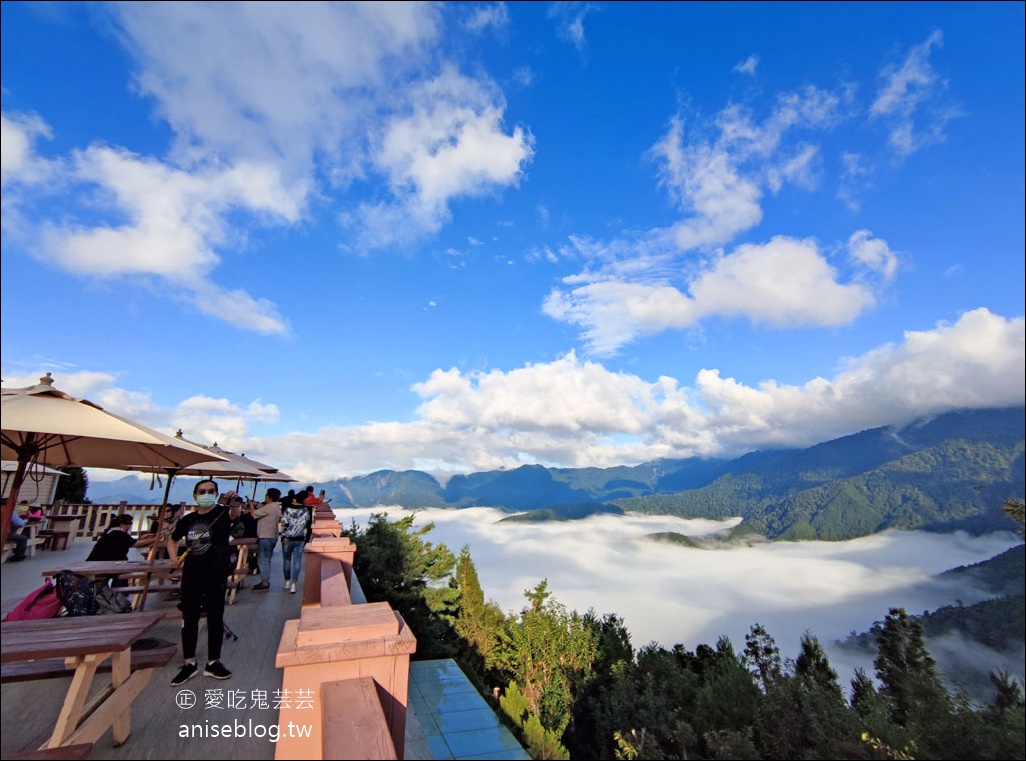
77,593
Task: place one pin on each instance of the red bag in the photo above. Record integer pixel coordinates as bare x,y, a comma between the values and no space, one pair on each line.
43,603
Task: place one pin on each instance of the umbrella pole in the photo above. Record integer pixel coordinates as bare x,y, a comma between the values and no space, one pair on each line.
27,450
12,498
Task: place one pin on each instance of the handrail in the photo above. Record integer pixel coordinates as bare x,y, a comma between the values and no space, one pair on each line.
95,518
334,651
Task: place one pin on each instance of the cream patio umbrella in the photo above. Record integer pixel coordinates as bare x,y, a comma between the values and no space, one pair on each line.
268,473
42,425
228,465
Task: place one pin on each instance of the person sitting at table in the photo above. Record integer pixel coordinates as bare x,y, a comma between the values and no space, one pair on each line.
31,513
19,539
205,570
117,540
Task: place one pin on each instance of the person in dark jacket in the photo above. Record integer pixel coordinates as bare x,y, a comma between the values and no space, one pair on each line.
205,568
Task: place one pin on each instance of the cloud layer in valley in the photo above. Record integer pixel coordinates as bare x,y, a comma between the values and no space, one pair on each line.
670,594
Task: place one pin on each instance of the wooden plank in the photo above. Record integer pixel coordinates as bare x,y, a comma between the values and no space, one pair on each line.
334,625
57,668
113,708
353,723
77,636
64,753
334,590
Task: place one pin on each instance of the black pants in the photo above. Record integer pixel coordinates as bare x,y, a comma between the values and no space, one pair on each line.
203,588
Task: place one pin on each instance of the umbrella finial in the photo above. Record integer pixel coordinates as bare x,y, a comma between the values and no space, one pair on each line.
178,433
46,380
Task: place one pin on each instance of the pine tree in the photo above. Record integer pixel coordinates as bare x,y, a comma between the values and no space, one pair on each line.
762,657
477,623
549,652
907,673
72,486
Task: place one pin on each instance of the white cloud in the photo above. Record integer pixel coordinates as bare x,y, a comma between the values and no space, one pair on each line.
450,144
569,18
904,90
265,82
671,594
575,413
206,420
705,181
977,362
19,161
873,253
175,222
268,107
332,83
748,66
784,283
488,15
719,181
855,173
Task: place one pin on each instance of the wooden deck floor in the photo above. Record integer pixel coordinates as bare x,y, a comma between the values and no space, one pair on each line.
28,710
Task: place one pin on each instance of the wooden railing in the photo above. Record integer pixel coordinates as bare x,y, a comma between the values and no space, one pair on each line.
350,662
94,518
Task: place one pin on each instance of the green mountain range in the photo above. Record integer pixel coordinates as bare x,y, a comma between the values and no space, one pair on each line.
946,473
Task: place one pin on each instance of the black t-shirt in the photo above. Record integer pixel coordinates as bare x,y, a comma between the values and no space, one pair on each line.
206,535
112,545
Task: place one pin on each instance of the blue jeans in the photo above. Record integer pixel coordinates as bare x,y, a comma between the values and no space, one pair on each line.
265,549
292,558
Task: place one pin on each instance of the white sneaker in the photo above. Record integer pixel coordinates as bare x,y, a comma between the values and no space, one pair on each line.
287,584
293,589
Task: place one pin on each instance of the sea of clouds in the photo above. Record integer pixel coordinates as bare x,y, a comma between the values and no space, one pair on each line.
669,594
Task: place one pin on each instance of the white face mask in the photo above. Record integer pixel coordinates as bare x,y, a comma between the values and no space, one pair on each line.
206,500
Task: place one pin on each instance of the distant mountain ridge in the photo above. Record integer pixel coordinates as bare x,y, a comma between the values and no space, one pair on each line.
943,473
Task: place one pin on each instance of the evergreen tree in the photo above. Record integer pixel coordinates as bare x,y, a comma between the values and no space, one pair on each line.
762,657
804,714
72,486
397,565
907,673
478,623
548,651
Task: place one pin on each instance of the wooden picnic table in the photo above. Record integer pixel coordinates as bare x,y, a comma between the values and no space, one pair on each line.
59,524
84,643
139,573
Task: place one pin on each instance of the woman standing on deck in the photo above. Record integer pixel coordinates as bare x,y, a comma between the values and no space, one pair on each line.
296,525
205,569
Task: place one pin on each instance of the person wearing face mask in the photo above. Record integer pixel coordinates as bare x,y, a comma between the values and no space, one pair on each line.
205,568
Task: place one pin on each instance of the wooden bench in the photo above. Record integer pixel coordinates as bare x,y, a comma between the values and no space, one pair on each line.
30,548
69,752
82,646
31,532
55,540
354,725
56,668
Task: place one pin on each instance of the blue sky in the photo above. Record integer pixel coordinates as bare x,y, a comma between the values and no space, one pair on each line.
341,238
